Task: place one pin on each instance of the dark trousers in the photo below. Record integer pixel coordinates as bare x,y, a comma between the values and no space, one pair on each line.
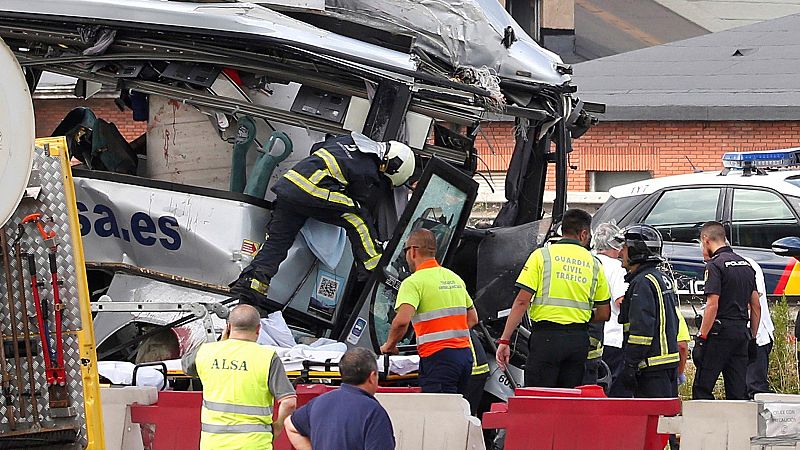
725,353
287,220
657,383
613,358
591,369
446,371
757,368
556,357
475,391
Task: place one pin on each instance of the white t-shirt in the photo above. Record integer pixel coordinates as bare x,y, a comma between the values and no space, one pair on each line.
766,328
615,275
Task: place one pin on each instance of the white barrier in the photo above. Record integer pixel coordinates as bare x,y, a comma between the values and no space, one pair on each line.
714,424
432,422
120,433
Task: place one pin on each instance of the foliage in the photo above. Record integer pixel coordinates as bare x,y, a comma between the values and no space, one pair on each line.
783,377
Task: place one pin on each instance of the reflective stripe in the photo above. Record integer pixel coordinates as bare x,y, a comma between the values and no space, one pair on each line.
660,360
594,354
318,176
316,191
238,409
333,166
372,262
240,428
626,327
439,313
442,335
546,269
662,314
363,233
480,370
565,302
595,275
640,340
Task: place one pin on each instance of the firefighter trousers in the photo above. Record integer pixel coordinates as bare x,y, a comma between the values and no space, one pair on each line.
289,218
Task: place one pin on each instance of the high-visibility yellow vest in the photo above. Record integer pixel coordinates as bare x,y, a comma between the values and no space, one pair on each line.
237,403
566,280
441,302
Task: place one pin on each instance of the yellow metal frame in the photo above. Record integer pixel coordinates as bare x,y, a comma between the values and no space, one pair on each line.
86,341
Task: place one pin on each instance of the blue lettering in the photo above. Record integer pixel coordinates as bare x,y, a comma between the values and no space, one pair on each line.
165,224
141,223
105,226
86,224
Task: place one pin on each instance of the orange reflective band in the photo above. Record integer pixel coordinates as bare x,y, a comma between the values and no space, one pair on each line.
428,329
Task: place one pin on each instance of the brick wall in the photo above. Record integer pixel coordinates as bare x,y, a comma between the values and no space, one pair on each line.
50,112
661,148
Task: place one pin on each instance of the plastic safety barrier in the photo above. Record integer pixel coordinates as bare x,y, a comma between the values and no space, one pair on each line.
583,417
173,423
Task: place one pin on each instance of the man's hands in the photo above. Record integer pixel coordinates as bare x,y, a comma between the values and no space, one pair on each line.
628,377
503,355
387,349
698,351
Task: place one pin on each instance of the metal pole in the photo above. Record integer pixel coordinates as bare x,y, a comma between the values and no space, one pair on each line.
12,311
6,376
27,330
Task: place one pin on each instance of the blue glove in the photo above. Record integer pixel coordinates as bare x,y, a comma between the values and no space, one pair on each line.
681,378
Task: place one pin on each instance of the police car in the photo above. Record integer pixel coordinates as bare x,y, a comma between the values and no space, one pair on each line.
756,197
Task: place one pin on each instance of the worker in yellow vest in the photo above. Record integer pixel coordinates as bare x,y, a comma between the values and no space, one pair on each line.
242,381
562,288
436,301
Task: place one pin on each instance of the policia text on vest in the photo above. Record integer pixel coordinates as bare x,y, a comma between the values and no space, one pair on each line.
562,289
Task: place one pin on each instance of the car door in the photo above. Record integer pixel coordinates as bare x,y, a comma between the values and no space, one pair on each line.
678,213
754,218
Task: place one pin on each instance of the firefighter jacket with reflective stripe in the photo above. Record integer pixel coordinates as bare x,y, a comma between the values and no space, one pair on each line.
596,332
336,176
649,319
441,302
237,403
480,363
566,282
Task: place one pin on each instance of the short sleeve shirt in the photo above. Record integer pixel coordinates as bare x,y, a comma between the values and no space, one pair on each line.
433,288
575,278
732,278
683,328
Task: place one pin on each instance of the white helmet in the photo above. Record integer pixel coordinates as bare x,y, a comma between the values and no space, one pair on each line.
398,163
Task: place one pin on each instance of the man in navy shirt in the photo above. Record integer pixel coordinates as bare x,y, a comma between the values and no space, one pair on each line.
347,418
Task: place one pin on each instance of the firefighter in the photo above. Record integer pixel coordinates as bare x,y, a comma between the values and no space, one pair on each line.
563,288
333,185
648,316
480,373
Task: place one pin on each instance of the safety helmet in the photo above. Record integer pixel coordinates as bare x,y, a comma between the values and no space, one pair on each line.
398,162
644,243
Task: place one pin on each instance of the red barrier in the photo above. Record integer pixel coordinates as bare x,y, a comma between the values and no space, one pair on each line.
561,419
173,423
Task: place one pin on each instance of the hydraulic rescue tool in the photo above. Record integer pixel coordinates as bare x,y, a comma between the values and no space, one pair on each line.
53,358
26,329
12,312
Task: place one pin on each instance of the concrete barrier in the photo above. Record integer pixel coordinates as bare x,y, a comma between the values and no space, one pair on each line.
120,432
432,422
714,424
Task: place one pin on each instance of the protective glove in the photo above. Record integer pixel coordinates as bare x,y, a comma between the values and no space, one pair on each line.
681,378
628,377
752,350
699,350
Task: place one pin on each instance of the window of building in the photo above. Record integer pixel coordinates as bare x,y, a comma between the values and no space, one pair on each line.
678,214
759,218
605,180
527,13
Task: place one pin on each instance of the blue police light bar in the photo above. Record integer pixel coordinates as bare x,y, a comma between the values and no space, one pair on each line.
770,159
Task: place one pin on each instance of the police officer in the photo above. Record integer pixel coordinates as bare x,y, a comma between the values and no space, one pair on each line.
562,288
241,382
721,345
648,316
333,185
